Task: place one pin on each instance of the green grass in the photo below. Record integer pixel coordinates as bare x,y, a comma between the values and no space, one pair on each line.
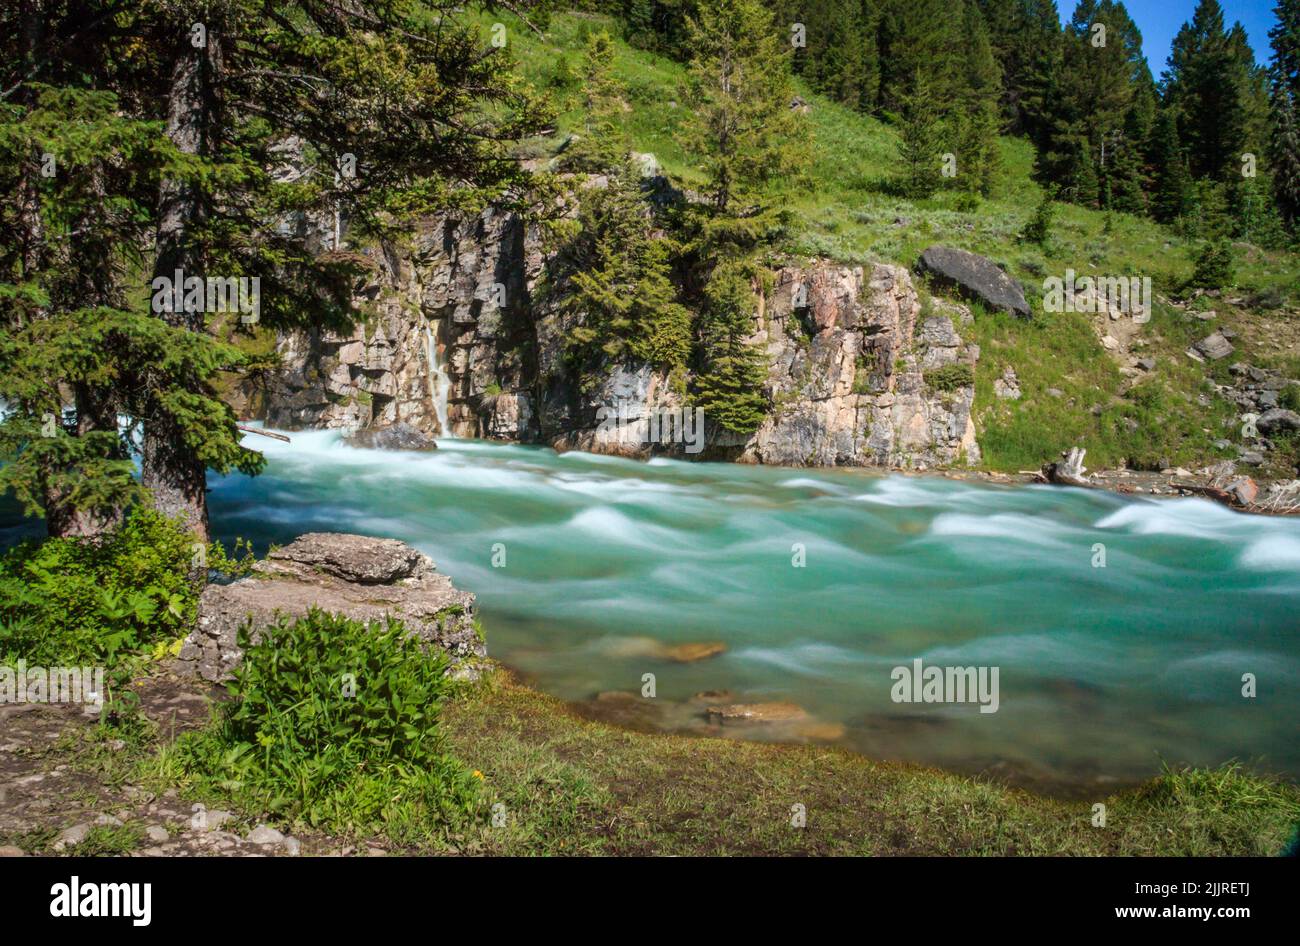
848,210
570,785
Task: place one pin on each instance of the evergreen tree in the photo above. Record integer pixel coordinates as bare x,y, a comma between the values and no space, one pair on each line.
742,122
618,286
602,144
203,106
920,139
977,118
1208,85
1171,193
1284,88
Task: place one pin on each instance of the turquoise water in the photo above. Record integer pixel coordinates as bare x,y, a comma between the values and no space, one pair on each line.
1103,672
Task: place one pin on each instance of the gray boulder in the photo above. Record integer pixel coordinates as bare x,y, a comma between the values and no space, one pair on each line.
399,436
363,578
1278,421
975,277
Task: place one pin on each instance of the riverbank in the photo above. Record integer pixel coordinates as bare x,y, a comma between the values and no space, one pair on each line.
555,783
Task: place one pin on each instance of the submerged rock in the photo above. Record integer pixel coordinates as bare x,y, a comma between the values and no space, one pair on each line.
363,578
757,712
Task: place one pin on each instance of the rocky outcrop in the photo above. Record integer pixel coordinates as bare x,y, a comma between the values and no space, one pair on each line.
851,357
461,339
363,578
401,436
975,277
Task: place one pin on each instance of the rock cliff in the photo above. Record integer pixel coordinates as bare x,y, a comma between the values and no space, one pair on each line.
459,340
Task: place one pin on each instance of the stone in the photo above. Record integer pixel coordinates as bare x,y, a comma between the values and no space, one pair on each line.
292,847
1214,346
1251,458
1007,387
108,821
757,712
365,578
1244,490
400,436
1278,421
71,836
1110,343
692,652
157,833
8,850
264,834
975,277
1146,364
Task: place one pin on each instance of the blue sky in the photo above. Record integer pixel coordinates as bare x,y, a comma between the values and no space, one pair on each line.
1159,20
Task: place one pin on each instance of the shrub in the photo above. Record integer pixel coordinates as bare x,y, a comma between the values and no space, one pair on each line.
65,601
950,377
1039,228
333,723
1213,268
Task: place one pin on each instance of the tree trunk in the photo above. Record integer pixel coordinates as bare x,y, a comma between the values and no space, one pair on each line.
174,475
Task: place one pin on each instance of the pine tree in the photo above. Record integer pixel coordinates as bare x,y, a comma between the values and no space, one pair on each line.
920,137
415,107
1207,85
618,286
1171,192
977,119
1284,88
174,163
603,143
742,123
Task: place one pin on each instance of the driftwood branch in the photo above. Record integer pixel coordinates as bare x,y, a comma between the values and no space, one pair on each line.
1069,471
264,433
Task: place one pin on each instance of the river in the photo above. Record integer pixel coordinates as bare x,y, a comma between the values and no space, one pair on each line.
821,582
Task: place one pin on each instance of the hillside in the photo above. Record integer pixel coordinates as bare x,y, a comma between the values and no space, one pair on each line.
848,211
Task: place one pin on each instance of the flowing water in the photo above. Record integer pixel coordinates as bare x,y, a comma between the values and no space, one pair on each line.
1103,671
439,382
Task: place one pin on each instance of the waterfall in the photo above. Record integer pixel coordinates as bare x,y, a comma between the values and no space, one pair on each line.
439,382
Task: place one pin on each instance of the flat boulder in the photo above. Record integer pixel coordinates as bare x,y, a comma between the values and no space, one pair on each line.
975,277
360,577
396,437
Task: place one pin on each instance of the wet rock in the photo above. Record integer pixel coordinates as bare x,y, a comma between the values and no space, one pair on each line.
364,578
692,652
757,712
975,277
400,436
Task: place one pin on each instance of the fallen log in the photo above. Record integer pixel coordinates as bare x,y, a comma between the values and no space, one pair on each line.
264,433
1210,492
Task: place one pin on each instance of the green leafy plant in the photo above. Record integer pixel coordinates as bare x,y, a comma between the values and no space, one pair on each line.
67,600
333,723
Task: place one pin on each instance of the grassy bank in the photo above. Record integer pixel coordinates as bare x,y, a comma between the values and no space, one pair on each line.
552,783
571,785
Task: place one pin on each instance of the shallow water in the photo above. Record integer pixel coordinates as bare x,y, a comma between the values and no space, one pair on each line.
1103,672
